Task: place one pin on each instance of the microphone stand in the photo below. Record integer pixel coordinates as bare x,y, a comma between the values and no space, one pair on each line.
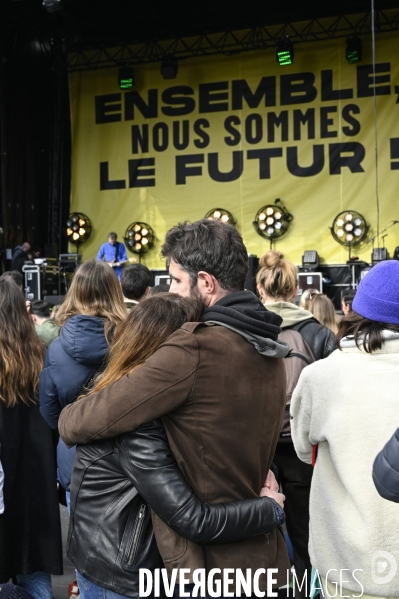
372,239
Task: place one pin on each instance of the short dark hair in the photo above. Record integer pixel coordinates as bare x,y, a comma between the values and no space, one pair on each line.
112,235
348,297
40,308
158,289
134,281
15,276
364,331
214,247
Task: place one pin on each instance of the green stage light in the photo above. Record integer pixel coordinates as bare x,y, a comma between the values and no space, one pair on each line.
353,50
285,52
126,77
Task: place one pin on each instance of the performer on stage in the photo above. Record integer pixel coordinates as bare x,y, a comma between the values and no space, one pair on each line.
113,252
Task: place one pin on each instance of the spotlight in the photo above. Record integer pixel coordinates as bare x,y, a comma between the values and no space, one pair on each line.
349,228
272,221
126,77
310,260
52,5
169,66
353,50
379,254
78,228
285,51
139,238
221,215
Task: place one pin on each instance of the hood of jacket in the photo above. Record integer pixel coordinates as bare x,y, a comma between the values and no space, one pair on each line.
244,313
289,312
82,337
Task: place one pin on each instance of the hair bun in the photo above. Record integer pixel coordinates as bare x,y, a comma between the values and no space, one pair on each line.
271,259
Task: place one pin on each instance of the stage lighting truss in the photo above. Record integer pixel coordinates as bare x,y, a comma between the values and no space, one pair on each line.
285,52
272,221
222,215
78,228
139,238
349,228
169,66
353,51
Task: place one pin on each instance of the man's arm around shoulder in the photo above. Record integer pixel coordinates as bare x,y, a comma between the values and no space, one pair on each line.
156,388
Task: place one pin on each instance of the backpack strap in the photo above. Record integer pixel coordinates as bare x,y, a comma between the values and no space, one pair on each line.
293,354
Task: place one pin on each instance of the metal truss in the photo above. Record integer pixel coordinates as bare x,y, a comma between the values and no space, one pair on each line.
233,42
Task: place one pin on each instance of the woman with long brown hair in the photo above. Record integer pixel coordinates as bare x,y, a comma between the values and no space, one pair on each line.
30,531
116,481
92,308
323,310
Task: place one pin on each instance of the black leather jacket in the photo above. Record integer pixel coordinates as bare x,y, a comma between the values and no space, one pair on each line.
116,481
320,339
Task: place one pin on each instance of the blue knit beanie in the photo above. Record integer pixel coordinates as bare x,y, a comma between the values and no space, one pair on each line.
377,296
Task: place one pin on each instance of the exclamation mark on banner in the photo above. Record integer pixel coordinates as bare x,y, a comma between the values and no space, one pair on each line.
394,153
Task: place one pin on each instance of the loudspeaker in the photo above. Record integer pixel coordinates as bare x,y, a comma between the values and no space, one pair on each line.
250,282
336,277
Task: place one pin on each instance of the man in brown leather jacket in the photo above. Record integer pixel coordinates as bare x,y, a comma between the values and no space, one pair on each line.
219,386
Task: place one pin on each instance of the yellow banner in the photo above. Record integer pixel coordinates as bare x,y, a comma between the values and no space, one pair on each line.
238,132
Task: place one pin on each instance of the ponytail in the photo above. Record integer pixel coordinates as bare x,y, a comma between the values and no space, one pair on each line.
277,276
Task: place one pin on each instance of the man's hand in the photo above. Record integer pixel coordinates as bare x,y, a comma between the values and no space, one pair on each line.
270,482
278,497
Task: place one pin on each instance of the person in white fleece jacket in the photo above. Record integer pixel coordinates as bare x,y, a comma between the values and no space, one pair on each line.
348,405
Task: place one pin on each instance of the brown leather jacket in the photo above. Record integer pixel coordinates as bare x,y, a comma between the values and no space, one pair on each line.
222,404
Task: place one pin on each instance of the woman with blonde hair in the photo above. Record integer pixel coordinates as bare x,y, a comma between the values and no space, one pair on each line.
323,310
278,286
92,308
30,530
307,297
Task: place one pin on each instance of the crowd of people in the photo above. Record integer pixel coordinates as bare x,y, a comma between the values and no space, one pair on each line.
191,427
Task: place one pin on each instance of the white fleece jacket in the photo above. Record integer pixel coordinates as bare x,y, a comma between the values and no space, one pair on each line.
349,405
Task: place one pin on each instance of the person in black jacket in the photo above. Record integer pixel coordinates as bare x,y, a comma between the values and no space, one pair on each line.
20,256
137,472
30,529
278,286
386,469
91,309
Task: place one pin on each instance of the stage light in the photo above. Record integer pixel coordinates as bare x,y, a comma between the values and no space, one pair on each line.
169,66
285,51
126,77
353,50
221,215
78,228
349,228
272,221
139,238
52,5
310,260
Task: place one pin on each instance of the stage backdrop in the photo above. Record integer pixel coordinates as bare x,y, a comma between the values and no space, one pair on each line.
237,132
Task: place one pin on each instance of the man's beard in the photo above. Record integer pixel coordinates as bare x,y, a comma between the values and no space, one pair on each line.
195,294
